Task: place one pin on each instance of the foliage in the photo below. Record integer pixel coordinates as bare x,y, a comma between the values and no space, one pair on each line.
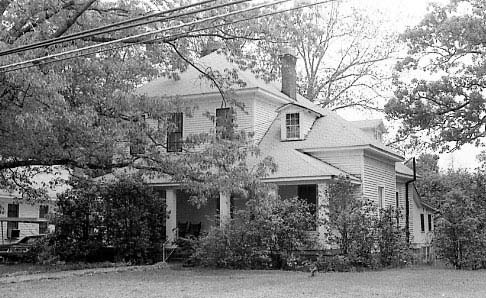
460,231
350,223
365,235
391,240
445,99
263,235
93,217
80,113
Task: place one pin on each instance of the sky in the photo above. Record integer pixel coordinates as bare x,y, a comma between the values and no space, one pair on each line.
400,14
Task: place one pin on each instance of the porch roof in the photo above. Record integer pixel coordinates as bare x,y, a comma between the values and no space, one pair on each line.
295,165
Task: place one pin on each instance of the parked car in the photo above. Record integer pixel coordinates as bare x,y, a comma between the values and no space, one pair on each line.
17,250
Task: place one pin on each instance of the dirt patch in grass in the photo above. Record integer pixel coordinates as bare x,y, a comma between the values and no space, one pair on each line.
423,282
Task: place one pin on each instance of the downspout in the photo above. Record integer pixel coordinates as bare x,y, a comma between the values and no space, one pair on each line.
407,203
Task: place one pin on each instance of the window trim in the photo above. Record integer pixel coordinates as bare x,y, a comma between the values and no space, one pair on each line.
296,126
381,201
177,134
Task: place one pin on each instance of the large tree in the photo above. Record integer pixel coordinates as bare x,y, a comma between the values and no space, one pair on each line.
74,114
342,52
440,87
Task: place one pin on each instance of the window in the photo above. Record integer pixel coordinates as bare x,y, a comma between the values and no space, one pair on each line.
137,145
12,226
308,193
381,197
430,221
13,210
422,223
378,135
292,125
225,122
43,228
43,210
174,133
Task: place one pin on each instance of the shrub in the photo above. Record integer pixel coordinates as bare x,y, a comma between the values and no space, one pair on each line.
391,240
261,236
350,223
102,221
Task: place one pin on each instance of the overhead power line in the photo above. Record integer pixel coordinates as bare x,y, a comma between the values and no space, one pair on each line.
109,28
39,61
142,35
96,30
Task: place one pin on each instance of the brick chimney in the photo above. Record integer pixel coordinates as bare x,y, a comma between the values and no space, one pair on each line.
288,60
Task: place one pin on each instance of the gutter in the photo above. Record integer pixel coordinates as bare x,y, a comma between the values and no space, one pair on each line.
407,202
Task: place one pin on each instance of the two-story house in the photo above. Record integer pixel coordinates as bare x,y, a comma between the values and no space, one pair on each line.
311,145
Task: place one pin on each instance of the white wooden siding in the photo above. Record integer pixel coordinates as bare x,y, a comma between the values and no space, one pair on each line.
419,238
199,122
379,173
400,188
265,114
25,210
350,161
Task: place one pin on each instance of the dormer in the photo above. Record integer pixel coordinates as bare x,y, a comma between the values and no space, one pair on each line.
372,128
295,122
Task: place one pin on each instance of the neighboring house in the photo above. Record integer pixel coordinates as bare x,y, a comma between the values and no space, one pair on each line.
19,219
311,146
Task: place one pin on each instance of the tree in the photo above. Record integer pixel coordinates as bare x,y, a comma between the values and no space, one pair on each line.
74,114
341,50
446,101
460,233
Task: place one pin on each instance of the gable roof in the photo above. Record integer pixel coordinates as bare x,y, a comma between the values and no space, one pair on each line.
328,131
369,124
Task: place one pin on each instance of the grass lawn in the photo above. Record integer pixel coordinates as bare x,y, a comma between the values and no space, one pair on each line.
420,282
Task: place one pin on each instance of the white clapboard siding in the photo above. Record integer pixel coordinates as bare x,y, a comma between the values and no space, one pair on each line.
199,122
350,161
401,201
25,211
379,173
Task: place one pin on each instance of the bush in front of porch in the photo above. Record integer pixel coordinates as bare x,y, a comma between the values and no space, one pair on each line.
263,235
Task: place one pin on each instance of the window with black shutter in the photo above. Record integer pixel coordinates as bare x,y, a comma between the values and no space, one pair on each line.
174,133
225,121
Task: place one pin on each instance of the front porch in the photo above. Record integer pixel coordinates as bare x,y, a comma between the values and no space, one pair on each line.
185,219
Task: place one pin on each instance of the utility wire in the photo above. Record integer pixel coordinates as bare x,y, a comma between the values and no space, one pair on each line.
163,39
87,35
141,35
95,30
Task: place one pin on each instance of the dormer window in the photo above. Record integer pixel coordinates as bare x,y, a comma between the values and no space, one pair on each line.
292,126
378,135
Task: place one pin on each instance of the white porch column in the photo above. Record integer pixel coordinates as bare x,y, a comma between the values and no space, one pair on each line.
224,208
171,220
322,209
